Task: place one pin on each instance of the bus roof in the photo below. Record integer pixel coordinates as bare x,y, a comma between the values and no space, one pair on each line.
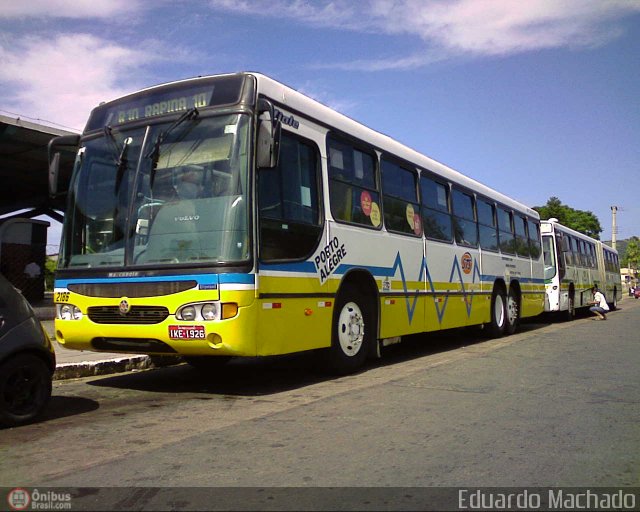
555,225
306,106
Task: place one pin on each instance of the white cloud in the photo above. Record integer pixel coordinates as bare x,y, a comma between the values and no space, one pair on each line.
62,78
452,28
67,8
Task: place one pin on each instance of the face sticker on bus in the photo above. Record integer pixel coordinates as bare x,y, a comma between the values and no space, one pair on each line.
375,215
328,259
411,216
365,203
417,224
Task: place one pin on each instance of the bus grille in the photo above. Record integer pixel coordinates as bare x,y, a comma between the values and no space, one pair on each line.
137,315
130,290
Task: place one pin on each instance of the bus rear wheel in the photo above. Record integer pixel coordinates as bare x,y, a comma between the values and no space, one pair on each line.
570,313
513,313
352,333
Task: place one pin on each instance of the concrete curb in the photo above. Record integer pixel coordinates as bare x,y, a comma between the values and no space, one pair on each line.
126,363
92,368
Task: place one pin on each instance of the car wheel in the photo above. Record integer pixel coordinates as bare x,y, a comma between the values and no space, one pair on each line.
25,389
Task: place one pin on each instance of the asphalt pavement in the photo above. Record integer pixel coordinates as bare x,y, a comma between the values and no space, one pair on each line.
72,364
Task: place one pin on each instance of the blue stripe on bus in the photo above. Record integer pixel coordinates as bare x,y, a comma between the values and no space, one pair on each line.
307,267
200,278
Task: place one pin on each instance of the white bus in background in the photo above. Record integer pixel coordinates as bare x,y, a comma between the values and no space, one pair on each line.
573,264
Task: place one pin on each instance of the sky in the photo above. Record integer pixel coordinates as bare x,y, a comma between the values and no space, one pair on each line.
534,99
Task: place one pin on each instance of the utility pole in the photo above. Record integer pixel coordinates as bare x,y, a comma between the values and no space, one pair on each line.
614,227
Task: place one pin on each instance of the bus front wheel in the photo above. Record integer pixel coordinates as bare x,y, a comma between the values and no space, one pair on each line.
352,333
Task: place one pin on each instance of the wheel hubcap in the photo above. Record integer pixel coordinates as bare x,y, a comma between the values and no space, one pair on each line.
512,310
350,329
498,310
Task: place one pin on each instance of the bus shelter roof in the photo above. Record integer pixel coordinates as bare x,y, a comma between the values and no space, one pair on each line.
24,168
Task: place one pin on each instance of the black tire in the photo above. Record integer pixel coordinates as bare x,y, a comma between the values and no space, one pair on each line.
352,333
25,389
614,305
570,313
512,319
496,327
207,364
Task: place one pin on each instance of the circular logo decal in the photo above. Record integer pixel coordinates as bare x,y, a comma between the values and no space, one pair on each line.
467,263
124,307
19,499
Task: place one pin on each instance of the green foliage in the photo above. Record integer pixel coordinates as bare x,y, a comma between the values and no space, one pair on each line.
631,256
582,221
49,271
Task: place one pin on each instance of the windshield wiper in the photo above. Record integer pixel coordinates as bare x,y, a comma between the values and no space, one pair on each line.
121,159
154,153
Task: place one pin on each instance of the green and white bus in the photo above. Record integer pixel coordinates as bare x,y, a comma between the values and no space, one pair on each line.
573,264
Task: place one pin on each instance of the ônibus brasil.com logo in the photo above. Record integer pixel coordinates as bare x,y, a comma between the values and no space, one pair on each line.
23,499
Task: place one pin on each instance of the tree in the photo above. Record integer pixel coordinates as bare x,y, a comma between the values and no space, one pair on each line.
582,221
631,256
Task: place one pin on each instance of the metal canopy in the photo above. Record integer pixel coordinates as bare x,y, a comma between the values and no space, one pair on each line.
24,168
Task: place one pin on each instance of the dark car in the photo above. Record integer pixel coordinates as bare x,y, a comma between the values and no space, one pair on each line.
636,293
27,359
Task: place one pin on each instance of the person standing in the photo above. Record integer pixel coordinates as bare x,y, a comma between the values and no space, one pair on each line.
600,306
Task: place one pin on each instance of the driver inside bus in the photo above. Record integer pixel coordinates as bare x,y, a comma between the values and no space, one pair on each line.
188,182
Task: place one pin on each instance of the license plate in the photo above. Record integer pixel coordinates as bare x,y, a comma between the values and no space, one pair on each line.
186,332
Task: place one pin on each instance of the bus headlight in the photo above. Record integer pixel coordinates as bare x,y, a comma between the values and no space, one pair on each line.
187,313
206,311
68,312
210,311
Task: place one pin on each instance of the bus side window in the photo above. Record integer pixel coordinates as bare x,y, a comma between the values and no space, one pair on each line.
464,219
522,240
436,212
353,189
288,196
400,199
534,239
487,225
505,226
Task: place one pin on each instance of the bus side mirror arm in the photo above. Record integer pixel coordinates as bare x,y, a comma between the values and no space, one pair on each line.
53,150
268,139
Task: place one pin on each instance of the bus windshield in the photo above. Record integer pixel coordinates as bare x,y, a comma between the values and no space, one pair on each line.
549,257
165,194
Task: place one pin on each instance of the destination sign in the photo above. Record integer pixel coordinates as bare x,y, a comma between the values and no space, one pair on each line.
168,99
159,106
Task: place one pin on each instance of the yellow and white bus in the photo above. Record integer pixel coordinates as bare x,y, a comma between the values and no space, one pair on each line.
573,264
231,215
